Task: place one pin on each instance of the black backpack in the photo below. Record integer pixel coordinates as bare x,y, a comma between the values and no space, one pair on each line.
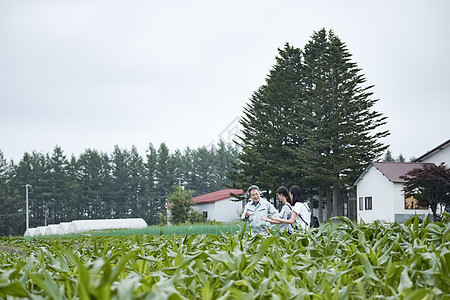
314,222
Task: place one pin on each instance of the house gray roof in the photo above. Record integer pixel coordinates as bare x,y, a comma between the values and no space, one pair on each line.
393,170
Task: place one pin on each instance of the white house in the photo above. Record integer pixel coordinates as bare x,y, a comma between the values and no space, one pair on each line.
380,196
219,205
379,188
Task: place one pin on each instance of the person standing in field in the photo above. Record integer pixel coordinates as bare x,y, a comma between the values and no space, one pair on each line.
301,214
256,209
286,210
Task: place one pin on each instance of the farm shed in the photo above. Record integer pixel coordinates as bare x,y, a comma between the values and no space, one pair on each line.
219,205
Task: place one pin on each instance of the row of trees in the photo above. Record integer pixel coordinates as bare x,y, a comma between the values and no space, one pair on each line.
94,185
388,157
312,123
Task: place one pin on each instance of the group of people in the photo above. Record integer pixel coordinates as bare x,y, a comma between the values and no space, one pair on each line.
261,214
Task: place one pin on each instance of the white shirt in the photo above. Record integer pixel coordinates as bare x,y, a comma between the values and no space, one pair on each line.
286,213
302,209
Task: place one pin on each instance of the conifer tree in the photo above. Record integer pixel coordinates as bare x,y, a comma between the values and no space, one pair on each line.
401,158
137,207
388,156
97,199
150,185
268,127
59,186
339,118
164,177
3,194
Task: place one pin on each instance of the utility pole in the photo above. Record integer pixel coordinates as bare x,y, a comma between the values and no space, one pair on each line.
26,202
46,213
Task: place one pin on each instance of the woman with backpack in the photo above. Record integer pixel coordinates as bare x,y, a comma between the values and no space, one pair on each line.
301,214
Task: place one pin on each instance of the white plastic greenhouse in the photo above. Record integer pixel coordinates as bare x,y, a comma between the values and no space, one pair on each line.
80,226
30,232
51,229
40,230
63,228
89,225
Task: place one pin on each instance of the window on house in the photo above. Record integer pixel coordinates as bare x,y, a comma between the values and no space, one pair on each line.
413,203
368,203
361,203
205,213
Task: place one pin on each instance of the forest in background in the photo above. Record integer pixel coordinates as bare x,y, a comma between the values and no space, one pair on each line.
98,185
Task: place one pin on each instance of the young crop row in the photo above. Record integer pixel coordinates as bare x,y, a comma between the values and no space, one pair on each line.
340,261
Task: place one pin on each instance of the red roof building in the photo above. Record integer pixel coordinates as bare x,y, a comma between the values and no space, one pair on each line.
220,205
217,196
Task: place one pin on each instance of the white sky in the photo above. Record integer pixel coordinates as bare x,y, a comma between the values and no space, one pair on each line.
94,74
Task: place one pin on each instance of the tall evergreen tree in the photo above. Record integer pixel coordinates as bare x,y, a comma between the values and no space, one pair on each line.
94,176
36,167
202,161
59,184
401,158
164,178
4,218
136,182
268,127
341,123
388,156
150,185
73,193
120,181
225,156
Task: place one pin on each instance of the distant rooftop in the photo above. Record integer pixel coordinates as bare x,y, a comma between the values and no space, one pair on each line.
393,170
431,152
217,196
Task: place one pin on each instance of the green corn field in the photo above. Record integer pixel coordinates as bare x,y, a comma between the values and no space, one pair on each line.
339,260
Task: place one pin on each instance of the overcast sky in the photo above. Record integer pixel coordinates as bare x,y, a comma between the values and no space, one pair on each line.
94,74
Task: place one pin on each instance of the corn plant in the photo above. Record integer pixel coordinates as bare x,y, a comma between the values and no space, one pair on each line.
336,261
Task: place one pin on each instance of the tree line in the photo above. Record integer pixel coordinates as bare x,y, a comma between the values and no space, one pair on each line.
97,185
388,157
